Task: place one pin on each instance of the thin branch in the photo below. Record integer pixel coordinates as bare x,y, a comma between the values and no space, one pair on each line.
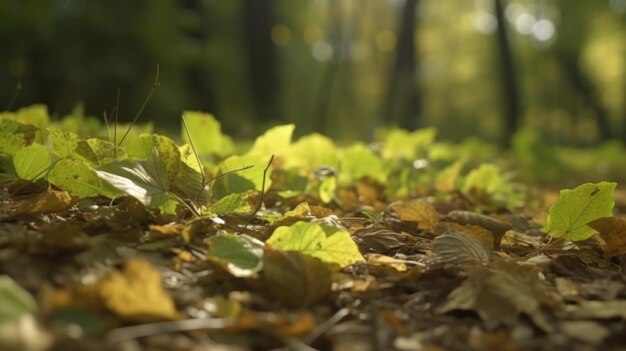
116,113
258,207
145,102
227,173
31,180
16,93
143,330
106,123
193,148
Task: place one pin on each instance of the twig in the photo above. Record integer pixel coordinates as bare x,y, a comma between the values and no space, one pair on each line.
106,123
145,102
16,93
258,207
322,328
31,180
116,112
143,330
193,148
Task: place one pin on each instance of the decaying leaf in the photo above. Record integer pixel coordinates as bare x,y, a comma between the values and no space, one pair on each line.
499,293
379,240
136,294
496,227
329,244
613,232
49,201
294,278
420,212
457,248
568,218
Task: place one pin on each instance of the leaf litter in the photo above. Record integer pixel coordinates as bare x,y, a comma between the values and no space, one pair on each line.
114,250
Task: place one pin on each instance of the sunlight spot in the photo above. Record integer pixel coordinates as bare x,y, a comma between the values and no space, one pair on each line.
618,6
386,40
485,23
322,51
513,11
543,30
281,35
420,163
524,23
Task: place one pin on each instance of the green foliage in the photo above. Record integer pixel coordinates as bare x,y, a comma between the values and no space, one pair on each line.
145,180
75,177
65,144
399,143
14,135
241,254
242,180
232,203
206,133
357,162
568,217
312,151
141,147
14,301
329,244
105,151
32,161
274,141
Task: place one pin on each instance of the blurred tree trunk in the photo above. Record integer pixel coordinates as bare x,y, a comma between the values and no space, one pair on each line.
581,84
261,56
202,96
403,100
509,80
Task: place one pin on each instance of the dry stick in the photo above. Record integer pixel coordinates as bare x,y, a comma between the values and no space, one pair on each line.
16,93
143,330
145,102
116,112
106,123
193,148
258,207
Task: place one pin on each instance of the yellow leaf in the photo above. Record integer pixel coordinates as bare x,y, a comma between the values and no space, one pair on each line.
418,211
136,294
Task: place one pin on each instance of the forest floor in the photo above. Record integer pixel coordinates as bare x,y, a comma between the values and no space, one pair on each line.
436,275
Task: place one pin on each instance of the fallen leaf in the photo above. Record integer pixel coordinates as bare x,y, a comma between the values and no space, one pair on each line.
329,244
136,294
166,230
294,278
49,201
378,240
241,255
418,211
613,232
496,227
386,261
586,331
15,302
500,293
568,217
461,249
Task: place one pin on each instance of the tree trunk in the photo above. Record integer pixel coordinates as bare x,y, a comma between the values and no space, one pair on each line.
403,102
509,81
261,57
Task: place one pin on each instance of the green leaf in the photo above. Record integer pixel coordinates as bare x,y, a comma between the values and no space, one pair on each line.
206,133
486,177
66,144
75,177
329,244
274,141
241,254
14,135
242,181
569,216
399,143
301,155
31,162
294,278
14,300
142,146
104,151
357,162
232,203
146,181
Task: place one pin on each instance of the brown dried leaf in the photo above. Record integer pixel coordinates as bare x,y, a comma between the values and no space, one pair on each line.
499,293
479,233
420,212
379,240
495,226
386,262
457,248
166,230
49,201
613,232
